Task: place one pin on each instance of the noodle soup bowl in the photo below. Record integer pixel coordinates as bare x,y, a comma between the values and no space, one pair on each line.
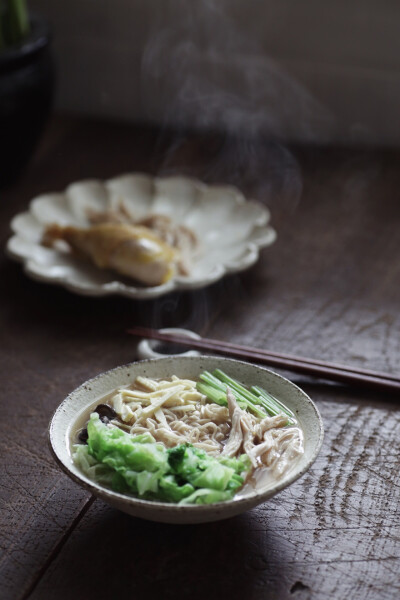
73,411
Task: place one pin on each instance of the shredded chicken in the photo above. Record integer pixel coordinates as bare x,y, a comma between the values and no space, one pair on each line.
268,442
236,436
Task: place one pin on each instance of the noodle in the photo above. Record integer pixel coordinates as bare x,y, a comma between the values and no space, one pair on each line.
175,412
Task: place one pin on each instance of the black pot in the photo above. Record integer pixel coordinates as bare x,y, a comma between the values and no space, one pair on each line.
26,93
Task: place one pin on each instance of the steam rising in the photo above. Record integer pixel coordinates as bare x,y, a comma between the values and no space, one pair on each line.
202,72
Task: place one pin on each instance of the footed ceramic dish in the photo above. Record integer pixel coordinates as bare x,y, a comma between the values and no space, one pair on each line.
230,231
63,425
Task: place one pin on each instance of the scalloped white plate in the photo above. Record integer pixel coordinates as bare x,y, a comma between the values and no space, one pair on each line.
231,230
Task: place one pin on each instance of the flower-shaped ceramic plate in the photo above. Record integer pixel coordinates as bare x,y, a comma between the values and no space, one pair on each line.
230,231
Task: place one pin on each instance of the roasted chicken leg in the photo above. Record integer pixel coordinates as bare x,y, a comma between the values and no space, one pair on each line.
134,251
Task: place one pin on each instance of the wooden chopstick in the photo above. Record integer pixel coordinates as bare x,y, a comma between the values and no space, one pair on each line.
307,366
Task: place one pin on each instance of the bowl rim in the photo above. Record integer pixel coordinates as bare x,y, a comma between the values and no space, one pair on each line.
255,498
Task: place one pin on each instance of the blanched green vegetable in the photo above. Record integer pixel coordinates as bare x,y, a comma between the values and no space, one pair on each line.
119,450
205,496
139,465
204,471
91,467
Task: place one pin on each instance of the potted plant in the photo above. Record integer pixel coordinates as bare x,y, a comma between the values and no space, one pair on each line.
26,85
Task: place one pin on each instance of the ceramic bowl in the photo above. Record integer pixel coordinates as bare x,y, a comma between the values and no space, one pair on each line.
79,401
230,231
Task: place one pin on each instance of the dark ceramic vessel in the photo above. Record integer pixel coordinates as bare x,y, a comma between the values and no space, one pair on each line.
26,93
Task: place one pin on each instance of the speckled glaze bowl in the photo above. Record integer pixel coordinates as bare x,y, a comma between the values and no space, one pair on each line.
78,402
230,230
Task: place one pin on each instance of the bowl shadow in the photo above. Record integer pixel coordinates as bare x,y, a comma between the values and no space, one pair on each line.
112,555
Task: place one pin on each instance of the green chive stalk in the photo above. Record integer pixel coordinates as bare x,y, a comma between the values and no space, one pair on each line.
217,396
215,385
14,22
273,402
257,400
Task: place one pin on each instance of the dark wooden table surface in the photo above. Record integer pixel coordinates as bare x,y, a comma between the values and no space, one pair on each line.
329,287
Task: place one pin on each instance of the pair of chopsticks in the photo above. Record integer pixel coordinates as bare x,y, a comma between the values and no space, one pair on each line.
298,364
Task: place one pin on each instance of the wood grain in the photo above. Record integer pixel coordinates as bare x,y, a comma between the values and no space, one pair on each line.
334,532
328,288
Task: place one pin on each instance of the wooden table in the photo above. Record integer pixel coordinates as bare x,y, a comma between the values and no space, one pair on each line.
329,287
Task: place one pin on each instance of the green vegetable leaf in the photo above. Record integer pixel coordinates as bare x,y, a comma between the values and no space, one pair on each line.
204,496
90,467
203,470
171,491
141,466
116,448
216,477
